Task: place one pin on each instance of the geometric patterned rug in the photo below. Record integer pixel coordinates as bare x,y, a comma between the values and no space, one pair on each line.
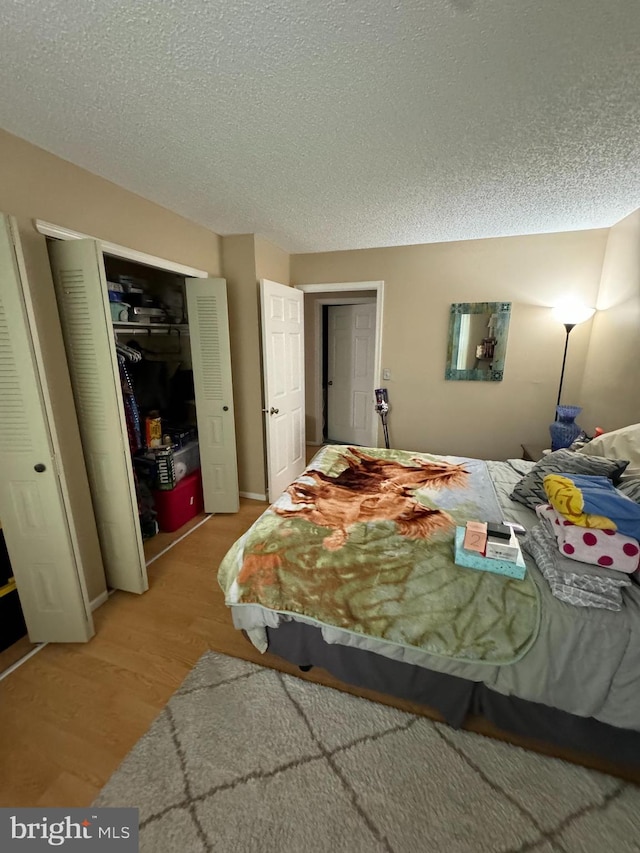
245,758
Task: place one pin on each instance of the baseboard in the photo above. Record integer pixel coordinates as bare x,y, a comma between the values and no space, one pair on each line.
99,600
254,496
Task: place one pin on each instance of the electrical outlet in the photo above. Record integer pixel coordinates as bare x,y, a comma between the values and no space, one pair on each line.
386,374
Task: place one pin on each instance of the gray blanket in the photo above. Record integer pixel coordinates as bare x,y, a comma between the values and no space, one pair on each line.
576,583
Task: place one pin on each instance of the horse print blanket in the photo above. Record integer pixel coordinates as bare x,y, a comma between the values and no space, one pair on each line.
363,541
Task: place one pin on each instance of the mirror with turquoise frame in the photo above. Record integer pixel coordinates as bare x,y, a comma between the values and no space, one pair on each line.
477,341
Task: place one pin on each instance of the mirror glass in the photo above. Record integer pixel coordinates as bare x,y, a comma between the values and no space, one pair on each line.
477,340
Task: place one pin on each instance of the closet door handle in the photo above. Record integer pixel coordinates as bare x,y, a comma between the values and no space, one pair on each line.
225,408
39,468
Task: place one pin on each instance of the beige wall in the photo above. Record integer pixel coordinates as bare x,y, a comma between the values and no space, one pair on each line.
246,258
483,419
37,185
611,387
272,262
239,268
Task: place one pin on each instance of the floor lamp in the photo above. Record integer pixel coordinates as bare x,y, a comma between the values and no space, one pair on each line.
570,314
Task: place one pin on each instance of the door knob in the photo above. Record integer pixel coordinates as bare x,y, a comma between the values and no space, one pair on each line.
39,468
225,408
271,411
330,382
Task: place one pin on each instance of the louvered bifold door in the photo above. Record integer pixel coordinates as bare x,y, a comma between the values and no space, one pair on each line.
211,360
81,292
32,509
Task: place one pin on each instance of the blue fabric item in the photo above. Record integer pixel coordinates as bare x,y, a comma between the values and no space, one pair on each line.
602,498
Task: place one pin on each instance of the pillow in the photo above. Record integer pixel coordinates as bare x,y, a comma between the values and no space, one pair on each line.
530,491
618,444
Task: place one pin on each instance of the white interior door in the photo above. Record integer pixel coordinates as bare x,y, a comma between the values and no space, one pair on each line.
283,376
351,342
211,360
34,518
81,292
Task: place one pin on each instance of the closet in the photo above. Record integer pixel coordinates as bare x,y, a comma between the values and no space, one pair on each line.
149,360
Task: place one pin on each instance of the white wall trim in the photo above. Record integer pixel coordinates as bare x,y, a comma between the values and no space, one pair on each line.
338,287
99,600
57,231
22,660
254,496
179,539
332,287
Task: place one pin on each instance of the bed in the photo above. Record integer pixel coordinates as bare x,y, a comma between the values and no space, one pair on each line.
352,569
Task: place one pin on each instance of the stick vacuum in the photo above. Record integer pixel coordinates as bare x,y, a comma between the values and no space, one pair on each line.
382,408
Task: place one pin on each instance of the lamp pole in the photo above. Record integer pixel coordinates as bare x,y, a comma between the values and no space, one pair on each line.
568,327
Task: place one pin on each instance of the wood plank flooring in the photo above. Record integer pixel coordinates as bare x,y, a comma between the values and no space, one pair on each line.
14,652
162,539
71,713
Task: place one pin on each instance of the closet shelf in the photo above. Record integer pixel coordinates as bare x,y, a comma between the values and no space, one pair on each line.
165,327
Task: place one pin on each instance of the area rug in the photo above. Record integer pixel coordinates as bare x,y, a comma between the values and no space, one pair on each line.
245,758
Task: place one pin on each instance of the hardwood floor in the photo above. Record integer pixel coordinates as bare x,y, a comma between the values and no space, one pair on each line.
71,713
14,652
162,539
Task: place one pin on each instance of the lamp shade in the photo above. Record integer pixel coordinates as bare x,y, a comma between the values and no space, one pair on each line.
572,312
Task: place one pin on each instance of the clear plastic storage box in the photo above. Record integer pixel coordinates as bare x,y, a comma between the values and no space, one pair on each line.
186,459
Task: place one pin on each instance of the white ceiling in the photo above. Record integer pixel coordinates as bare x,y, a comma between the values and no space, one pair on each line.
335,124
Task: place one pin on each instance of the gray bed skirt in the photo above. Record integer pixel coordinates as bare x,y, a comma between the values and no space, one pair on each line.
455,698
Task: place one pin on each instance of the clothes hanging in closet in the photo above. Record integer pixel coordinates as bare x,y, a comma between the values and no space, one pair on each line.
131,410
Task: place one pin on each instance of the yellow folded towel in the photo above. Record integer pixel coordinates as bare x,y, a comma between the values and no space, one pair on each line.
566,498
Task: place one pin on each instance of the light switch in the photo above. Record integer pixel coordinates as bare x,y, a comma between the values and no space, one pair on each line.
386,374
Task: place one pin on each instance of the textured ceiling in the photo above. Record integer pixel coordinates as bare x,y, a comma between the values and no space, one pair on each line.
333,124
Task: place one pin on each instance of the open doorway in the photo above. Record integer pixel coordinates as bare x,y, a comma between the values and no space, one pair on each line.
343,332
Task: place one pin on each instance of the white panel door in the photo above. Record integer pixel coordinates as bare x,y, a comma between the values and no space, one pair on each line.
34,518
351,371
283,376
81,292
211,360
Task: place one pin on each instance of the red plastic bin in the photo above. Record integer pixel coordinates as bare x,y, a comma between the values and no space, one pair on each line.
176,506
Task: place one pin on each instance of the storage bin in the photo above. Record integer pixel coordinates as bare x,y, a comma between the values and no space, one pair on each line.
174,508
181,436
119,312
186,459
